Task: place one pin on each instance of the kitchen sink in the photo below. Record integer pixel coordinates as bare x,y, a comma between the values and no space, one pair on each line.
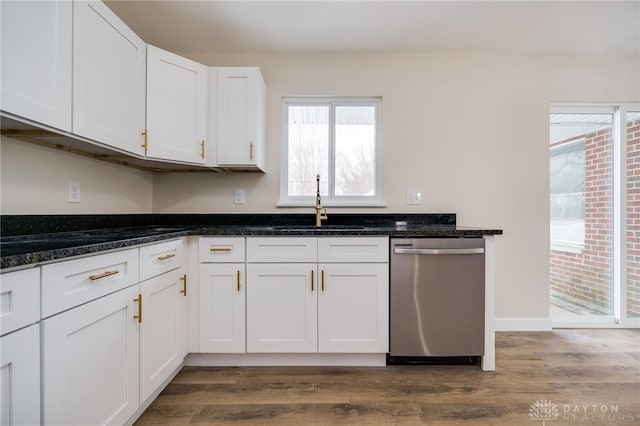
345,228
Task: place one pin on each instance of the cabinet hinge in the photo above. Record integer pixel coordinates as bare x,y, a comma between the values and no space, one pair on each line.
145,144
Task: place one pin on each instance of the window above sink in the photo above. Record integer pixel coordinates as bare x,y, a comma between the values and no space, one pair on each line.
338,139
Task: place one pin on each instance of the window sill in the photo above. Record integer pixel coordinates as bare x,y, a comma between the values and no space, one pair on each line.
333,203
567,247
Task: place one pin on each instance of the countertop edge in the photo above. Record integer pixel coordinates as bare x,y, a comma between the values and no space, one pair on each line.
33,259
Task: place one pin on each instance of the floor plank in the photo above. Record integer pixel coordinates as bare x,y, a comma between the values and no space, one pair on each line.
591,377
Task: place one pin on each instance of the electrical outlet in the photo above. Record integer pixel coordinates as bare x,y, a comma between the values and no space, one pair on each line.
238,196
74,192
414,197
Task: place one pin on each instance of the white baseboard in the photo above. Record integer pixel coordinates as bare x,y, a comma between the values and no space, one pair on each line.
290,359
523,324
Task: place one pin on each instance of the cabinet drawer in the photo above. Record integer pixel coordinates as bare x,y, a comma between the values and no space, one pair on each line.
353,249
71,283
215,249
159,258
19,299
287,249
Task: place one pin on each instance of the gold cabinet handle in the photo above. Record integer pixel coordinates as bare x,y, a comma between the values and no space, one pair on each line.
202,148
145,145
322,279
250,150
238,275
184,285
103,275
139,300
219,249
165,257
312,274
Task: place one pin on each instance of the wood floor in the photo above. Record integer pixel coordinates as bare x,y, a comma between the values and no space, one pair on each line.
581,377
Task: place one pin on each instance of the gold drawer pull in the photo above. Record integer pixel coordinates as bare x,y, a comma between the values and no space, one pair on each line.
103,275
218,249
139,300
202,149
250,150
312,273
184,285
322,281
168,256
238,280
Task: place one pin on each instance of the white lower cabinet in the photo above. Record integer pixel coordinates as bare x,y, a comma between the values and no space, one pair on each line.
353,308
20,347
221,307
338,304
103,356
20,377
163,338
282,307
90,362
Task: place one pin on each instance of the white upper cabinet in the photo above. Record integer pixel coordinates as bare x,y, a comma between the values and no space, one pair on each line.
109,68
36,61
176,107
242,95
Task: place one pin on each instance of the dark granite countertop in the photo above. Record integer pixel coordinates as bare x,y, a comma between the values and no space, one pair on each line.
35,248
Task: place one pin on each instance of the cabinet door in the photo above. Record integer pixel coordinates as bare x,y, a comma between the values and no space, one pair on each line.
19,299
222,307
282,307
176,107
109,72
162,330
20,377
36,61
353,308
241,114
90,362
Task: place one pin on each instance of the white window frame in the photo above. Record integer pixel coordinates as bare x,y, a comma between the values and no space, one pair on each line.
619,318
330,200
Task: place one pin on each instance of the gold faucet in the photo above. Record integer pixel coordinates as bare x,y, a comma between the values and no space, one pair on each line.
320,214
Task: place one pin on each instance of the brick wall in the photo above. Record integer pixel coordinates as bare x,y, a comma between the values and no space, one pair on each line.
586,278
633,218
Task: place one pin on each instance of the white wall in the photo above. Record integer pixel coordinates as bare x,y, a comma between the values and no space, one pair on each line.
469,130
35,179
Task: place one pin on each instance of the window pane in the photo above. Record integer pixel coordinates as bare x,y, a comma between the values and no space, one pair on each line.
633,215
567,183
581,187
355,150
308,149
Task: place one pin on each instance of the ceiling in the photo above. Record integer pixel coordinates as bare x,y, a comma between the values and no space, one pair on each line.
563,27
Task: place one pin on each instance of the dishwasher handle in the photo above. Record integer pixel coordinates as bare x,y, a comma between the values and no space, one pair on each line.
398,250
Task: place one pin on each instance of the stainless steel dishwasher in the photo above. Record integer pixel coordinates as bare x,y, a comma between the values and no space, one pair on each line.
436,298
